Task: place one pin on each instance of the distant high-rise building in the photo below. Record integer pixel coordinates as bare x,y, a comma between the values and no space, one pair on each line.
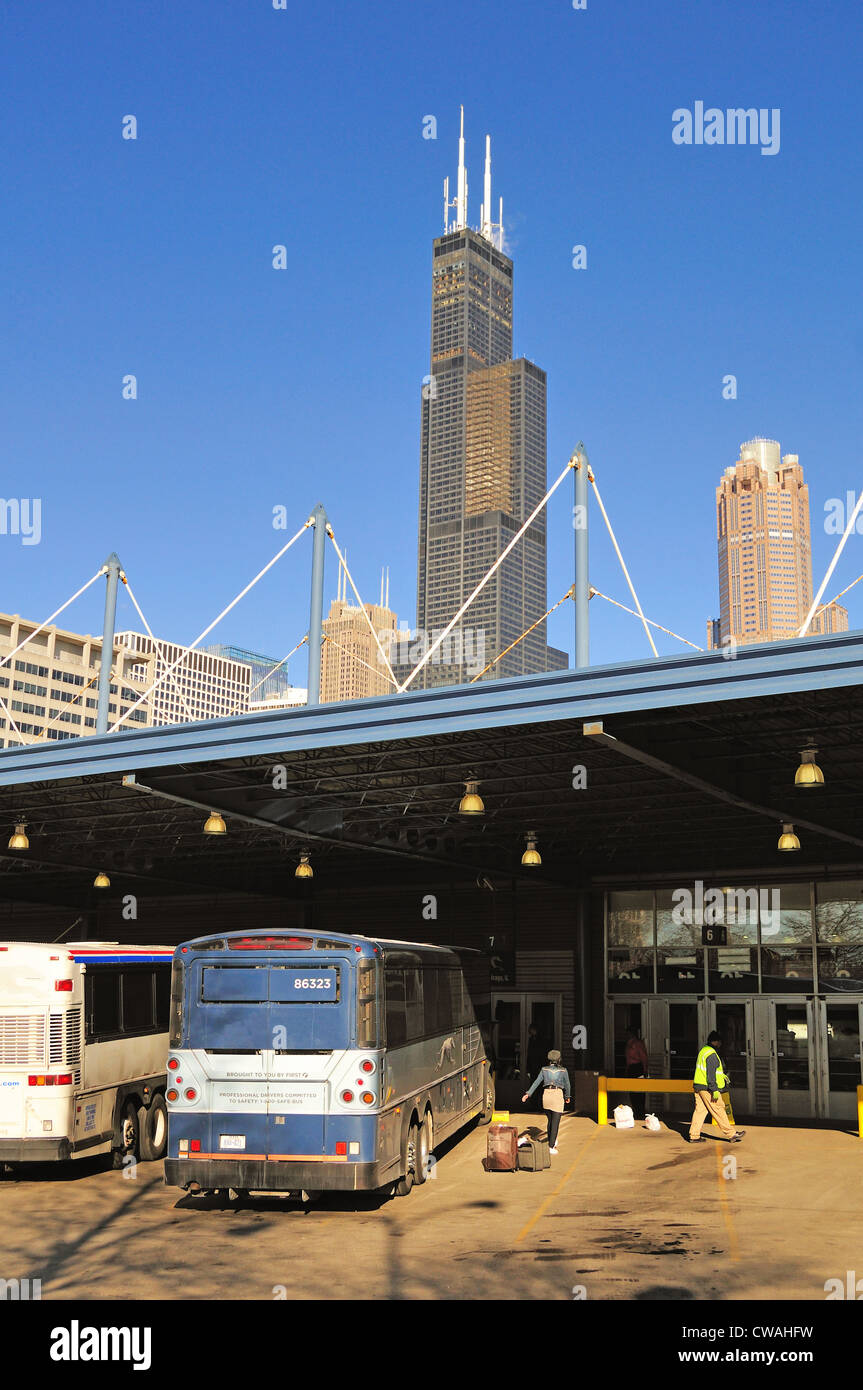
50,687
483,457
351,665
765,558
270,682
202,686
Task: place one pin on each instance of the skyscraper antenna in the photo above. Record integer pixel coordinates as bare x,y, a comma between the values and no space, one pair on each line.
382,586
461,195
485,223
500,227
388,587
446,205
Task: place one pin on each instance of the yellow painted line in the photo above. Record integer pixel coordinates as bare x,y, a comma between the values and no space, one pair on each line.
726,1205
560,1186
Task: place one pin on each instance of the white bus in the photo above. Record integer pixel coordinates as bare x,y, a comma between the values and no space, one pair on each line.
83,1046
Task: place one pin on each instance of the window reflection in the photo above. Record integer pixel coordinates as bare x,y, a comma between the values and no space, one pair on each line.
630,940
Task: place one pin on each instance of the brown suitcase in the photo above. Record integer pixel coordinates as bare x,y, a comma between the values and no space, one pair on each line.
502,1150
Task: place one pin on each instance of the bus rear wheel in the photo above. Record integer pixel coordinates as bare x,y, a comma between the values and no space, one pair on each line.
423,1149
153,1129
409,1162
130,1136
487,1100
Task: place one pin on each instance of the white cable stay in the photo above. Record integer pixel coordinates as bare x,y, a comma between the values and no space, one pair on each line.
207,630
344,566
355,657
831,567
600,594
81,693
159,648
55,614
10,716
238,709
482,583
836,597
570,593
640,614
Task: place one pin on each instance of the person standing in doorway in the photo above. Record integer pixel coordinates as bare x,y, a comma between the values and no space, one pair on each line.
556,1093
536,1054
636,1065
709,1082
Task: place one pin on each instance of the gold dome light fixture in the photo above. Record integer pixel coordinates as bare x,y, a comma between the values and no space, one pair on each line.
304,868
19,839
809,773
531,859
471,803
788,841
214,824
101,881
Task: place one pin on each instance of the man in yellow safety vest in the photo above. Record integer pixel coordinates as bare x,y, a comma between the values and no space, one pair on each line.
709,1083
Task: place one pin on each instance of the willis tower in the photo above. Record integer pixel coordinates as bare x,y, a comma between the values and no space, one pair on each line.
483,458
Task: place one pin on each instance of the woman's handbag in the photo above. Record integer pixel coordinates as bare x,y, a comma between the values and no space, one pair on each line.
552,1099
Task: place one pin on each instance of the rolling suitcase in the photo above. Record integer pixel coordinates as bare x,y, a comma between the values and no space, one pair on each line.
502,1150
534,1156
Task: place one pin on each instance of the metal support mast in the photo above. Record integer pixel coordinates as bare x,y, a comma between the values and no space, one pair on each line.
316,605
112,570
582,583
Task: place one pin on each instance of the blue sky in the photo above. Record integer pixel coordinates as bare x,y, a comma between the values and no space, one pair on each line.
259,388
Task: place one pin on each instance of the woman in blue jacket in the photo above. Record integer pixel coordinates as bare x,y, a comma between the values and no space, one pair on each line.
556,1091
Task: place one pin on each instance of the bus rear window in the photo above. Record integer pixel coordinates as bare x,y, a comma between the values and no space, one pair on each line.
175,1031
367,1028
273,984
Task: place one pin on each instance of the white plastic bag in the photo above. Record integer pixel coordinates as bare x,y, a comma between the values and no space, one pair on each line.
651,1123
623,1117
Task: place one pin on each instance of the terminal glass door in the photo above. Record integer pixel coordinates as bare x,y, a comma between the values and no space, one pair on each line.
841,1067
519,1054
674,1031
792,1057
732,1019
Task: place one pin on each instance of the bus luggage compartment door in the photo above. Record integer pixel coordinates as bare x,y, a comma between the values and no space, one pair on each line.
295,1118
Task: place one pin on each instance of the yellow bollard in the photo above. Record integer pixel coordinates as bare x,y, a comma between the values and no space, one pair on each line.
602,1101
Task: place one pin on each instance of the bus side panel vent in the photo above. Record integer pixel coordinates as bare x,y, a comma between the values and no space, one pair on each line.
73,1037
55,1040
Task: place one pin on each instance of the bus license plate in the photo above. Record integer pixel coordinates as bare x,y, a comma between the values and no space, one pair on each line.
232,1141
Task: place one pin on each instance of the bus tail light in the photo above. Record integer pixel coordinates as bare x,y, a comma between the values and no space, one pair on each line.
64,1079
190,1093
63,986
367,1065
347,1097
173,1064
195,1146
368,1098
172,1095
341,1147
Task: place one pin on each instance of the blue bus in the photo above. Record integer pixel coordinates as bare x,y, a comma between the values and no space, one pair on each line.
310,1063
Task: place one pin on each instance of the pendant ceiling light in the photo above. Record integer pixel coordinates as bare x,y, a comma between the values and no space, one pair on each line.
471,803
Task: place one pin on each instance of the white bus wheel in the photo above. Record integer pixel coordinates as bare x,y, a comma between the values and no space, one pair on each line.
153,1129
487,1100
423,1149
129,1135
409,1163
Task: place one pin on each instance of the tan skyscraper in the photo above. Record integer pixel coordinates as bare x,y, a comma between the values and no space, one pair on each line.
351,666
765,558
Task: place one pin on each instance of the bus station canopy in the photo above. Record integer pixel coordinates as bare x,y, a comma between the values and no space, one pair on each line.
628,772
